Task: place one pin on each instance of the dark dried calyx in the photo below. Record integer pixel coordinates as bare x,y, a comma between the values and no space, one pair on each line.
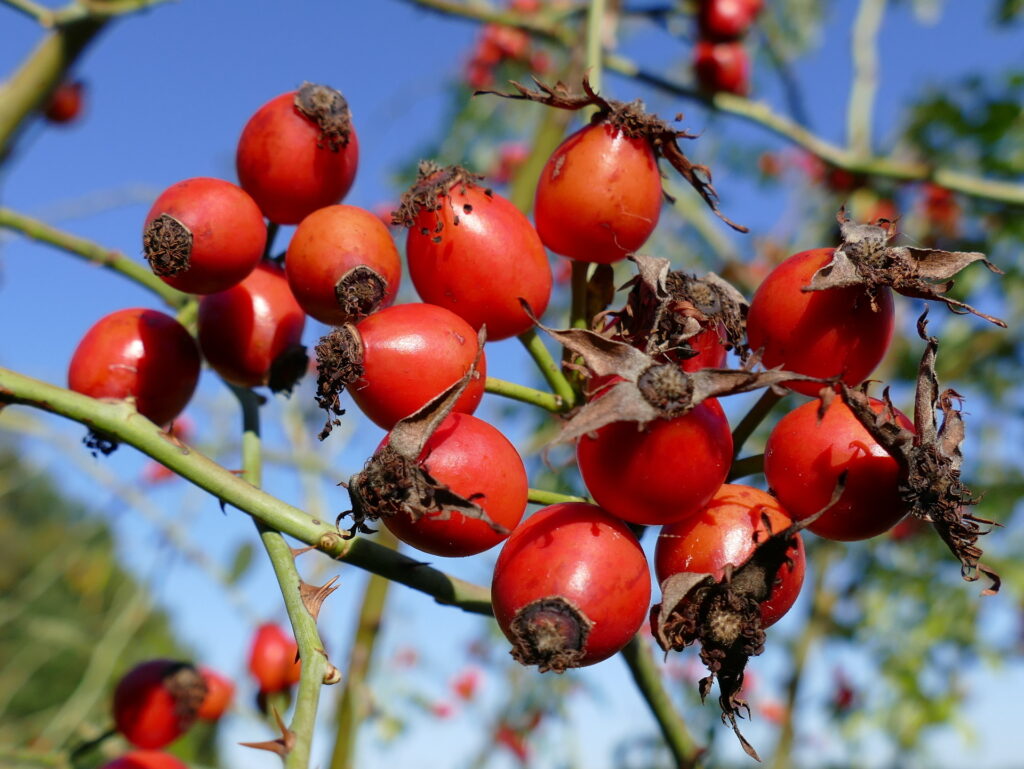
360,292
329,110
550,633
430,192
930,459
187,687
287,369
167,244
634,121
866,258
339,363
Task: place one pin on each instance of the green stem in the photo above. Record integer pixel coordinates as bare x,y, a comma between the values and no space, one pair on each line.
548,401
311,648
578,312
355,705
741,468
88,745
637,654
864,51
595,42
542,497
28,89
92,252
540,24
551,371
753,418
40,13
123,422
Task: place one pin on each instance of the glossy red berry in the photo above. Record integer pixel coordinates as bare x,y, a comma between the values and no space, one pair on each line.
819,333
805,454
724,20
599,195
410,353
342,264
141,354
477,462
571,587
157,701
722,67
251,333
204,235
298,153
727,531
219,693
145,759
477,255
661,473
65,104
273,659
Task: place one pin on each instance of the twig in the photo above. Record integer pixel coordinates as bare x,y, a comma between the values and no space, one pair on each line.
93,252
547,401
311,648
578,311
860,109
551,371
741,468
648,680
542,497
595,42
753,418
34,10
121,421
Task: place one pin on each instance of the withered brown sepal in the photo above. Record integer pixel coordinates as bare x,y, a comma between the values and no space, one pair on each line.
865,258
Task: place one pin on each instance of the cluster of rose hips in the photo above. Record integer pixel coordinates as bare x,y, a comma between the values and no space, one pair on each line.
157,701
720,61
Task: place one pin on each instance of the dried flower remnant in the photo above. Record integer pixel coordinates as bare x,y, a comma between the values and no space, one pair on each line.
865,258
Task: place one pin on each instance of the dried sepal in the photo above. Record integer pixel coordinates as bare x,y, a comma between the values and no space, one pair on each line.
429,192
724,616
634,121
930,459
666,308
339,363
283,745
313,597
326,107
394,481
865,258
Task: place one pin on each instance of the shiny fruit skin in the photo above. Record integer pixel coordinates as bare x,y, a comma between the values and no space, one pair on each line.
588,557
724,20
141,354
727,530
243,330
412,352
326,245
818,333
228,232
599,195
145,759
281,165
804,457
662,473
219,693
150,710
722,67
66,101
487,256
472,458
711,353
272,659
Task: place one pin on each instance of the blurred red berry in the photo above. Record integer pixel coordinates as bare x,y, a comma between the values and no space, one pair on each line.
273,659
65,103
219,693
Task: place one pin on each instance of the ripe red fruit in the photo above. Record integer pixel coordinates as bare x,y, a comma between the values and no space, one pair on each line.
204,235
477,255
272,659
819,333
805,455
599,195
722,67
342,264
250,334
298,153
711,353
65,102
476,462
219,693
141,354
145,759
571,587
157,701
728,530
724,20
411,353
662,473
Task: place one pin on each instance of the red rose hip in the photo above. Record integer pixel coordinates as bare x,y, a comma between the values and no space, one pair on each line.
157,701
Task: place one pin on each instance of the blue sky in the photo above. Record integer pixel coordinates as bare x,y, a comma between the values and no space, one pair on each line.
169,91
